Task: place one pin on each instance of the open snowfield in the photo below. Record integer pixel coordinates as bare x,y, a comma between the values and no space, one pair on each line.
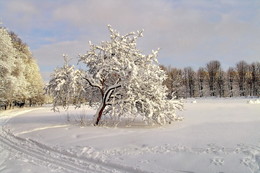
216,136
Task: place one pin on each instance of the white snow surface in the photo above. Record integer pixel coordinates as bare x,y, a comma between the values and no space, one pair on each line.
216,136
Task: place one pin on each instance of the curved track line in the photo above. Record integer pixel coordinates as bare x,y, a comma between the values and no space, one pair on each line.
56,159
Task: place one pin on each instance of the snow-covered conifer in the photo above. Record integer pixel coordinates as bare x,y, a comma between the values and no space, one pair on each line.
126,83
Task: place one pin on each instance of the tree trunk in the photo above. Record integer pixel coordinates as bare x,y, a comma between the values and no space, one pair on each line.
105,96
99,113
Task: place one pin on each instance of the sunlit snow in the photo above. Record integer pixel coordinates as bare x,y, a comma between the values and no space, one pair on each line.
217,135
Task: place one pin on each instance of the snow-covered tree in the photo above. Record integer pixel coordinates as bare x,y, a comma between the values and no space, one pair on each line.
120,79
27,75
35,85
19,72
66,85
7,64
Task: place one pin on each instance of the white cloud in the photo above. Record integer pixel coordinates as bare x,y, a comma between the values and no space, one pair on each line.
51,55
22,7
20,13
189,33
179,29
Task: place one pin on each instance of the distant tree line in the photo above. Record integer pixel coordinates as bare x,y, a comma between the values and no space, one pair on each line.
212,80
20,79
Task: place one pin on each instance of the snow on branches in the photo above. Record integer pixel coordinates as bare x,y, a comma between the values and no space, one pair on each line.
123,81
65,85
20,79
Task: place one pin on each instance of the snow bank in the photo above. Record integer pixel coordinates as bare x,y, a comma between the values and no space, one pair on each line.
194,101
257,101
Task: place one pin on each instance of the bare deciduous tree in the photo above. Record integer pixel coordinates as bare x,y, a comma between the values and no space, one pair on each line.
243,74
214,72
189,81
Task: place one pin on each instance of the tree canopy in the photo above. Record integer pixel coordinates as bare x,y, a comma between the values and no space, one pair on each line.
120,79
20,79
212,80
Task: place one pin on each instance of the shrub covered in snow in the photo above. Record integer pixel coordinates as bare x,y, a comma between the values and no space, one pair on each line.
120,79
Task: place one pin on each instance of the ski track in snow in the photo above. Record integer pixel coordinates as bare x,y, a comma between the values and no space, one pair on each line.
58,160
51,157
4,156
63,160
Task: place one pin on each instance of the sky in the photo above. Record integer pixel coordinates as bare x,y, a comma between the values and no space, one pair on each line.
188,32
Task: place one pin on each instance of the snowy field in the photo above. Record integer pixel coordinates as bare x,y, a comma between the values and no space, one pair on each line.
216,136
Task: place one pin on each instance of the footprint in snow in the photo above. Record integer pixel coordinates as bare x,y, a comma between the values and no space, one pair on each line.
218,161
